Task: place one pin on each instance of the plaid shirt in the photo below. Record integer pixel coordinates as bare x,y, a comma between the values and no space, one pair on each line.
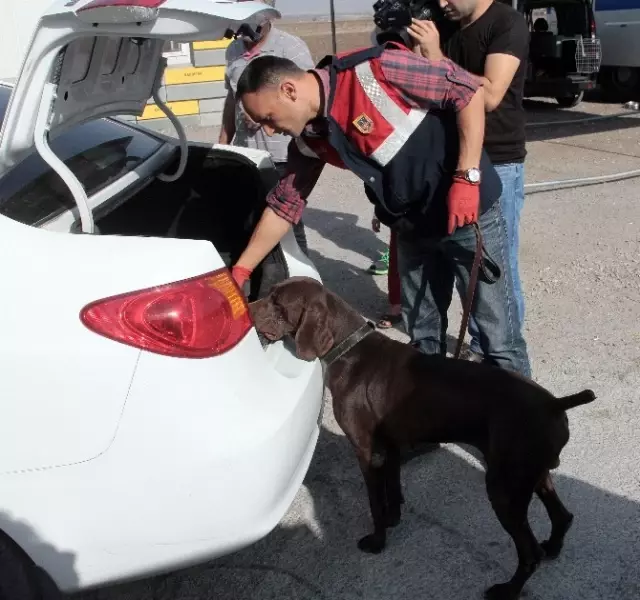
422,83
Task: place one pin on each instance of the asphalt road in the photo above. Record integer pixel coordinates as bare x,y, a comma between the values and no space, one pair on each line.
581,274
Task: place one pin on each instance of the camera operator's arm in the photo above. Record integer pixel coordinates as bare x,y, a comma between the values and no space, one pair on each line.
508,47
443,85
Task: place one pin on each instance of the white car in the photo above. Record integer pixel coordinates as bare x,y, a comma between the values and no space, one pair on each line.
143,425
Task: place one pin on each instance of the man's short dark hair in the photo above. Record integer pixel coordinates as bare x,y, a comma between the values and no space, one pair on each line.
265,71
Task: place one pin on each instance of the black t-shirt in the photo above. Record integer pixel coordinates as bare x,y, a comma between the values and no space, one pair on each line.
500,30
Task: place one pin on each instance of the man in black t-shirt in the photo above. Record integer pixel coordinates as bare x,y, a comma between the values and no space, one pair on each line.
491,40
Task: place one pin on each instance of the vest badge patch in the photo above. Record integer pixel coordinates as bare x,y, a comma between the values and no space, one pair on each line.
364,124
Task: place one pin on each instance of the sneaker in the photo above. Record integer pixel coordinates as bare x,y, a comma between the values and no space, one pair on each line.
380,266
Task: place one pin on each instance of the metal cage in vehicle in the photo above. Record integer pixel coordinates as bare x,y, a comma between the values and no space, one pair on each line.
588,55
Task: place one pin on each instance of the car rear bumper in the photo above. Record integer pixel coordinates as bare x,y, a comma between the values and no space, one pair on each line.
208,457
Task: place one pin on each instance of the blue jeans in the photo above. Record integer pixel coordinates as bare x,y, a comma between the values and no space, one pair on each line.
512,200
428,268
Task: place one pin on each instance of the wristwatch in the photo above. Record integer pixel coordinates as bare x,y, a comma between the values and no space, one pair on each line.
471,175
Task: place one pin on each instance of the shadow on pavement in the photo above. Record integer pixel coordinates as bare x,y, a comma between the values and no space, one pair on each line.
449,544
365,292
19,580
343,230
543,112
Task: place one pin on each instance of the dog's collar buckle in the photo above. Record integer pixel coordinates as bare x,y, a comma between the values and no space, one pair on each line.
348,343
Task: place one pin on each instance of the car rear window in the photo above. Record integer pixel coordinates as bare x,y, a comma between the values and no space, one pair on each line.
98,153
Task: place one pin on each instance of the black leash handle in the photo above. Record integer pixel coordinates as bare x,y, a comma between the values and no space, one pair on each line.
471,288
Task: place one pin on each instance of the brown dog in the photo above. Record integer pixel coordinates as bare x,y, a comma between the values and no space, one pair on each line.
387,395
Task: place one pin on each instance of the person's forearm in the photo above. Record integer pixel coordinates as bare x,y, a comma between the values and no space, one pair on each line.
270,230
471,131
228,128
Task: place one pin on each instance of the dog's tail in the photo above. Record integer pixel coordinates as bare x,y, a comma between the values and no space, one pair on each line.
569,402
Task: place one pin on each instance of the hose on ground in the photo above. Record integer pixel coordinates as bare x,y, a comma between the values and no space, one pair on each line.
549,186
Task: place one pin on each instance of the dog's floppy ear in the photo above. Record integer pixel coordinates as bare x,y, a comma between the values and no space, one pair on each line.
314,338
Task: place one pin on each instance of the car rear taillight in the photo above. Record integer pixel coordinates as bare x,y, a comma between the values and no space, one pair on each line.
195,318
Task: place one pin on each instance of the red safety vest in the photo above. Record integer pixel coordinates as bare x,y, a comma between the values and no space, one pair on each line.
370,112
405,156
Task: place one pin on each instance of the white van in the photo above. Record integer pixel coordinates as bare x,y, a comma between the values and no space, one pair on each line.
618,23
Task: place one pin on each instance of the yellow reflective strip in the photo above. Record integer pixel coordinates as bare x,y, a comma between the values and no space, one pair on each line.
185,107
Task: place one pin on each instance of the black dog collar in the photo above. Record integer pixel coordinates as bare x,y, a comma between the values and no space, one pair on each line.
349,342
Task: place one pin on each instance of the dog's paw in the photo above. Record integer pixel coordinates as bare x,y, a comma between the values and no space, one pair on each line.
501,591
373,543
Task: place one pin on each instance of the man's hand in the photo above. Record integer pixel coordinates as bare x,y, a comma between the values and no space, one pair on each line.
463,203
427,37
240,275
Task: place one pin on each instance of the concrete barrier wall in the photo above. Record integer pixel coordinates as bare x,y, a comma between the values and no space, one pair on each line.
194,92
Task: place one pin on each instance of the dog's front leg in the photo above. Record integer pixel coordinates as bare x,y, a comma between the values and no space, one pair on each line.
374,477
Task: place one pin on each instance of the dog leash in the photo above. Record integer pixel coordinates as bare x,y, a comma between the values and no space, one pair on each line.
471,288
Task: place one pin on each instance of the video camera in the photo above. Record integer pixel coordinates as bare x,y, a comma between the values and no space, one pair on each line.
244,31
392,17
396,14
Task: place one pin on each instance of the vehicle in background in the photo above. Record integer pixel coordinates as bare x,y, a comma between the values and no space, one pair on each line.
564,49
618,24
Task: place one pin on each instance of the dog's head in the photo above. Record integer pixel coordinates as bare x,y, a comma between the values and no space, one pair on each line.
297,307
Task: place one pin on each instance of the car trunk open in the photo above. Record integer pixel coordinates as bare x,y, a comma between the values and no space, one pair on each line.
219,198
101,58
98,58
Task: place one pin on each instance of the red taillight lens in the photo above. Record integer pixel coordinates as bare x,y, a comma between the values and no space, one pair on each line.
195,318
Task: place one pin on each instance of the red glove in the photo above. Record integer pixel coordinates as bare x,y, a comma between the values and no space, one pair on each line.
240,275
463,203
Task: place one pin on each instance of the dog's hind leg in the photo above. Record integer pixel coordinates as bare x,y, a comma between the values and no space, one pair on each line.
510,497
561,518
393,487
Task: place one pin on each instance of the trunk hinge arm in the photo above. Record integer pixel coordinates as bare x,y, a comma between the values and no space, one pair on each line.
41,140
182,136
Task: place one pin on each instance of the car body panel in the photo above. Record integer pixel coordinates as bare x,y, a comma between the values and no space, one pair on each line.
116,463
48,348
200,466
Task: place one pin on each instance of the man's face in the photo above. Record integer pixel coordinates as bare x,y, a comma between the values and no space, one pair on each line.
455,10
278,108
